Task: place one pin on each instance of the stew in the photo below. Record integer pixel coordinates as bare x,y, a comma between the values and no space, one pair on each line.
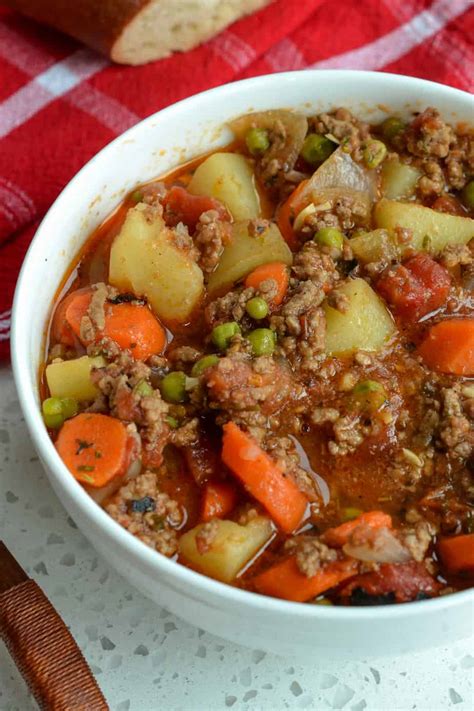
262,365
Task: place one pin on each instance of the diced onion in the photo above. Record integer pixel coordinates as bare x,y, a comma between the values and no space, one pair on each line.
310,209
341,171
376,546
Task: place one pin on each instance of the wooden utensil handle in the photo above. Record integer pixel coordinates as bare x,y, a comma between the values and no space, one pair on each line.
45,651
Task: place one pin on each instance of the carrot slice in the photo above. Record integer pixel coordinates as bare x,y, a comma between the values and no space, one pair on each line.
457,553
288,211
131,326
66,323
277,271
95,448
285,580
449,347
219,499
339,536
263,478
134,327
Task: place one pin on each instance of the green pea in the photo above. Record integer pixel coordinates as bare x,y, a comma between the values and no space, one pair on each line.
203,363
257,141
222,335
262,341
369,395
316,148
322,601
137,196
52,406
143,389
468,195
391,127
173,387
257,308
53,422
53,413
329,237
69,406
350,512
172,422
374,153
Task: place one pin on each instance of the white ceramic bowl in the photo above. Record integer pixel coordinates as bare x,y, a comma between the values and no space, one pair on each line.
151,148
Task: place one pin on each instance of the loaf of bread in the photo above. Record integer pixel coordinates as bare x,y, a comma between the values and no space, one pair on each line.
138,31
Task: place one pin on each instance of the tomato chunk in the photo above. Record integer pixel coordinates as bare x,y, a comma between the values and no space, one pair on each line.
202,459
449,204
400,582
181,206
219,498
416,287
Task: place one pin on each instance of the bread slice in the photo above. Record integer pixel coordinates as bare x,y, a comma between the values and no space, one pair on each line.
138,31
166,26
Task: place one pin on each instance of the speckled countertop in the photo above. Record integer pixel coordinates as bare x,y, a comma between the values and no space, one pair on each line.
146,659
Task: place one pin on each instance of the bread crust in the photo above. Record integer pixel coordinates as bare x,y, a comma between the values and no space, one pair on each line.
98,23
138,31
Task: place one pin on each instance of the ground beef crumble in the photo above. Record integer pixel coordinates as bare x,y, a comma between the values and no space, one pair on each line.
456,429
116,383
283,450
429,135
310,263
458,255
184,356
445,158
348,433
344,213
210,238
147,513
94,320
153,194
275,166
186,435
306,295
206,536
239,383
311,554
230,307
344,127
418,539
312,345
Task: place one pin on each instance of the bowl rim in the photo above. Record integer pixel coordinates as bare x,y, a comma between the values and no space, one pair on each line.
185,578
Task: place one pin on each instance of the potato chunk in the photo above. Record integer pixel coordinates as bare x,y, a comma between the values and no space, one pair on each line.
229,550
365,325
144,259
71,378
246,251
373,246
229,178
398,179
432,230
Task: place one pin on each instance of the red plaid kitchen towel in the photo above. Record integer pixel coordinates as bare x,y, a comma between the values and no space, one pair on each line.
60,102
